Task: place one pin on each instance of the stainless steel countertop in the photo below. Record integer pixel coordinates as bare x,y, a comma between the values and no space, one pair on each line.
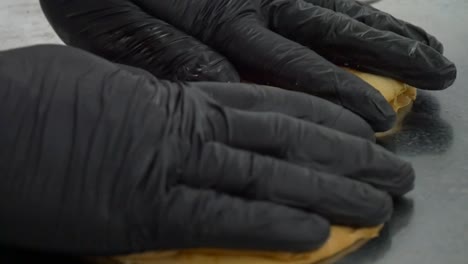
431,224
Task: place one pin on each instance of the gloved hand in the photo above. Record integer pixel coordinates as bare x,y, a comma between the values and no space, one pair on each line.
292,44
98,158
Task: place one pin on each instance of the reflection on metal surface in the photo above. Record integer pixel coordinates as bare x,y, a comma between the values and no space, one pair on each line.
423,131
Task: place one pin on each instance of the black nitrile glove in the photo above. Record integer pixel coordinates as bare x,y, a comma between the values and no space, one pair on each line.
292,44
98,158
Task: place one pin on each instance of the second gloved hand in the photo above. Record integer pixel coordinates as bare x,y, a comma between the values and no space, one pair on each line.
98,158
292,44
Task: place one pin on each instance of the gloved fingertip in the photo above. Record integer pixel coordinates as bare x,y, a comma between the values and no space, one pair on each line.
307,233
280,228
437,45
441,77
359,204
448,75
382,211
364,100
385,117
404,181
288,229
433,71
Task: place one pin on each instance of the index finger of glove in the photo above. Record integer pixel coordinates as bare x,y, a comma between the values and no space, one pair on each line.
319,148
378,19
258,98
284,63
